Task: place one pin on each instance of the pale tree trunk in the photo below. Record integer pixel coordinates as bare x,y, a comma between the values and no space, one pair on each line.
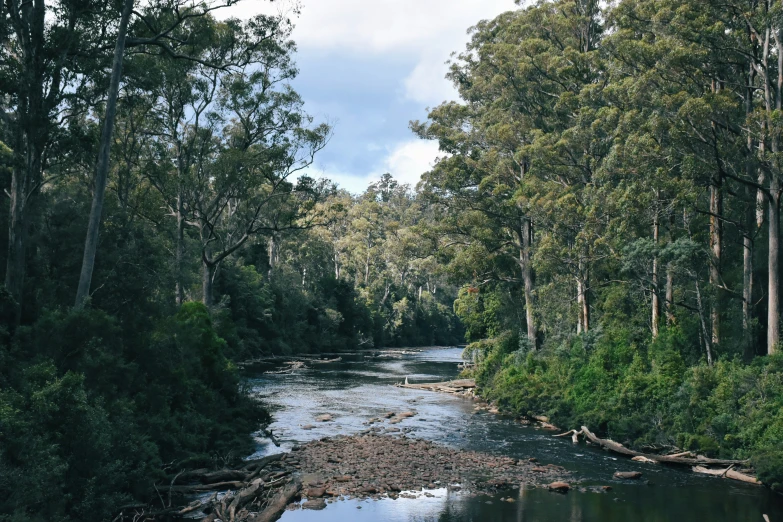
773,267
17,236
747,291
102,169
527,277
747,234
670,295
716,246
707,341
669,292
580,293
656,302
582,300
179,253
273,252
207,278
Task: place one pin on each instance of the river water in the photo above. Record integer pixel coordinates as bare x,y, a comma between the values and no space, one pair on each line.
360,387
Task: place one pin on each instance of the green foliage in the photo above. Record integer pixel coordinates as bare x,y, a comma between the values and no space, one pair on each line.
645,395
88,418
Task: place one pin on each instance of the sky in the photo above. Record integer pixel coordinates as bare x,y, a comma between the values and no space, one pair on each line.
369,67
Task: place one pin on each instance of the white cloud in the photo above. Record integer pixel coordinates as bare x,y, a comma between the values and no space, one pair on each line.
405,161
426,84
426,31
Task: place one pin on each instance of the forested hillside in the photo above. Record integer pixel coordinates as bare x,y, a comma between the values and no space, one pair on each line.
602,225
611,188
157,228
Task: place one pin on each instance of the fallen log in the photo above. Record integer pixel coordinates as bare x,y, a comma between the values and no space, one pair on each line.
196,488
619,448
573,433
257,464
223,475
245,496
456,386
278,502
727,473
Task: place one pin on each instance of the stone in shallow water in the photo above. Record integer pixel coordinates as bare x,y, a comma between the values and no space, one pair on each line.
627,474
315,492
560,487
317,503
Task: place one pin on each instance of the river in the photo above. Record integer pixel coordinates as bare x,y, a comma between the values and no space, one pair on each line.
361,387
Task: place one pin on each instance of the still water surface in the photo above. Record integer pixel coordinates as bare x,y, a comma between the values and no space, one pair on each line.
361,387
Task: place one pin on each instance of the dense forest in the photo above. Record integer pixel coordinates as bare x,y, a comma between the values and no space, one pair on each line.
610,188
160,229
603,226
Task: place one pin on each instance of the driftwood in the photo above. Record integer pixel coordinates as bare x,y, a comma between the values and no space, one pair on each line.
278,502
223,475
457,386
688,461
727,473
197,488
258,464
243,497
573,433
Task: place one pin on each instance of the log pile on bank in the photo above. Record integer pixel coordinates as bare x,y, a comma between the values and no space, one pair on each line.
698,463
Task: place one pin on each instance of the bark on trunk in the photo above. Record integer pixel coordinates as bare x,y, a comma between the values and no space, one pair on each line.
707,337
207,277
747,235
716,246
527,276
17,238
179,254
656,302
773,266
102,169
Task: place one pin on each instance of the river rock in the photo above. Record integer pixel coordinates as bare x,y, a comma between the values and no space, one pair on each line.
560,487
317,503
632,475
324,418
315,492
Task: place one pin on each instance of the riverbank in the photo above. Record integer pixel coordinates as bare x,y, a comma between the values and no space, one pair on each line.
359,388
651,403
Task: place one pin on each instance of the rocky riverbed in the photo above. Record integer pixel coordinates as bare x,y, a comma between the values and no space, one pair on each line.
375,466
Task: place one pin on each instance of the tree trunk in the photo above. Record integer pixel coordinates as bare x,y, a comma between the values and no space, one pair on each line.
17,238
102,169
273,253
207,277
179,253
747,235
580,295
527,276
707,339
716,246
656,302
773,267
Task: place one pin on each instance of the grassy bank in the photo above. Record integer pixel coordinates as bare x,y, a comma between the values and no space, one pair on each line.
645,397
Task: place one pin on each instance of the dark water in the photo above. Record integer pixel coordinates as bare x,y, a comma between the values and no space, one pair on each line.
360,387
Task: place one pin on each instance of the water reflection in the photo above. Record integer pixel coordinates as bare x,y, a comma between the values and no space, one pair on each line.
359,388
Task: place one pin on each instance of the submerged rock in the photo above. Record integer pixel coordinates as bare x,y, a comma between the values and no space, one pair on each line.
560,487
317,503
632,475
